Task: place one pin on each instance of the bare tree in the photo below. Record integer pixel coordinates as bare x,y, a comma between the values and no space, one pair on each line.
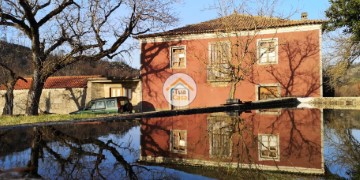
243,48
341,53
233,56
80,30
10,73
343,145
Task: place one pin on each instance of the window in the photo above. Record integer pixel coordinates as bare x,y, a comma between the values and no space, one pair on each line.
111,103
178,57
119,91
220,136
269,147
91,105
268,92
178,141
97,105
115,92
219,59
267,51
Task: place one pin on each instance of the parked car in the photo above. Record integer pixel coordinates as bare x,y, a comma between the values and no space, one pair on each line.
107,105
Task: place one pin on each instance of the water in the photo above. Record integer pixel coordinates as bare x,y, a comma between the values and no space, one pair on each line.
261,144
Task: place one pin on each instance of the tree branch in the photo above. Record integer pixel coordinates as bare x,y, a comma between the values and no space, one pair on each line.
19,24
39,7
56,11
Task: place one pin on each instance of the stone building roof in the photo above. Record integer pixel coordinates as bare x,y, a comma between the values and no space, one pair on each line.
234,22
57,82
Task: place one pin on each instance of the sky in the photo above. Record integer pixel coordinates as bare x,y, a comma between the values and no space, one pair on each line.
196,11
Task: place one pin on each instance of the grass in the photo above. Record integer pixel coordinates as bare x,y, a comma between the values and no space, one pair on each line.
22,119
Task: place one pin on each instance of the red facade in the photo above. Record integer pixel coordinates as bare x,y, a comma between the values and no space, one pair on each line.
296,71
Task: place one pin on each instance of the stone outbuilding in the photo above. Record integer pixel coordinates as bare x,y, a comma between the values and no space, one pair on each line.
65,94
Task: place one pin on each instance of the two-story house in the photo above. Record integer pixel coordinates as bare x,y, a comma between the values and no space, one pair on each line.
238,56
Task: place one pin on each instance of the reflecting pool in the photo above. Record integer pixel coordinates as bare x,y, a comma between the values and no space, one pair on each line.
260,144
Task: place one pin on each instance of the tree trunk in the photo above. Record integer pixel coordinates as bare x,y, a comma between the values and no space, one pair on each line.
9,99
232,90
9,96
33,99
33,163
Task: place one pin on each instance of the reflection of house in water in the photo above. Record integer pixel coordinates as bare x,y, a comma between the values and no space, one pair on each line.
290,140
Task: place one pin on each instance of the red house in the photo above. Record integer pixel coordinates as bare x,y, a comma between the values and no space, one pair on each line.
262,57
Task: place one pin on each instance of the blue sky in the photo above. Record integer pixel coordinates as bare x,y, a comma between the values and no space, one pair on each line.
195,11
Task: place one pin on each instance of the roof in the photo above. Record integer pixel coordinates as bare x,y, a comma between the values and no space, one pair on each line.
233,22
57,82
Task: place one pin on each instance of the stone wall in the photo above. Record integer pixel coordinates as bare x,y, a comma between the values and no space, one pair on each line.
136,97
96,91
58,101
331,102
64,101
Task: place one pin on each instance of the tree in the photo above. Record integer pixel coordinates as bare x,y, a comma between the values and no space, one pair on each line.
344,49
238,30
78,30
9,84
231,58
11,72
344,14
341,54
342,141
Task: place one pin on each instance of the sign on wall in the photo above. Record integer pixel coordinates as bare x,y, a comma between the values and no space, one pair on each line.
179,90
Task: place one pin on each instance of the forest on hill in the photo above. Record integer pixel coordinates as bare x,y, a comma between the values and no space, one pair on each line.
18,58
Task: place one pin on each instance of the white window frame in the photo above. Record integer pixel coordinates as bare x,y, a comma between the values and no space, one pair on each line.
171,56
262,146
275,40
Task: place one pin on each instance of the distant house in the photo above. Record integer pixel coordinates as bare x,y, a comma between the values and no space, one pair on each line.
288,59
64,94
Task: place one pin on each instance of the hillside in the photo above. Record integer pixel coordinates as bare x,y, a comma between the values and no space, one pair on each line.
118,70
19,58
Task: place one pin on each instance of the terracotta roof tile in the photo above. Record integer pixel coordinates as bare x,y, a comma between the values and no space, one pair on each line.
234,22
57,82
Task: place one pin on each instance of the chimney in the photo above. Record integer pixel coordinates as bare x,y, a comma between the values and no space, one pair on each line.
304,16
